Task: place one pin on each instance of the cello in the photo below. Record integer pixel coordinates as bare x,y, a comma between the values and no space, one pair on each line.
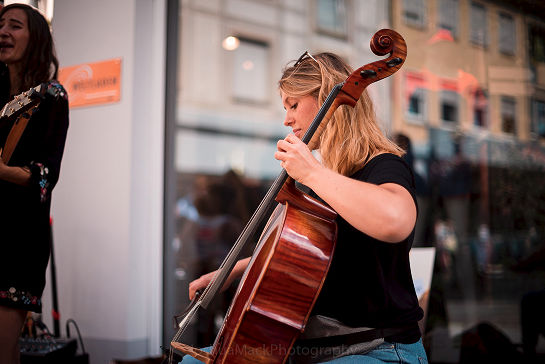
287,270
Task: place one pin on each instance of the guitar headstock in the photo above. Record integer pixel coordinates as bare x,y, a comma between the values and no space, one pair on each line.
22,102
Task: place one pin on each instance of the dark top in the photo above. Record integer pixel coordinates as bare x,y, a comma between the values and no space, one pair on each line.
24,215
369,283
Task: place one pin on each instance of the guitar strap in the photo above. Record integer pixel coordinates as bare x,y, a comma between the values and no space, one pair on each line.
15,134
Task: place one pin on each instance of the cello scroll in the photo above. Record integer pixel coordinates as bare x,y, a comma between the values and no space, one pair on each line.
385,41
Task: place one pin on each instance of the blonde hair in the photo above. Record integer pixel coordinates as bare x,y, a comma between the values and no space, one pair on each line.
352,136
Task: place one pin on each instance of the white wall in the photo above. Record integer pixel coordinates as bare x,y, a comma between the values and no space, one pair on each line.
108,205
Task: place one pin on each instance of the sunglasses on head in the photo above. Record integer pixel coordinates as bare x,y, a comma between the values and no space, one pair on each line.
302,58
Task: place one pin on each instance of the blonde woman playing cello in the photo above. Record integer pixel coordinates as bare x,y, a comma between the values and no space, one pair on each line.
367,310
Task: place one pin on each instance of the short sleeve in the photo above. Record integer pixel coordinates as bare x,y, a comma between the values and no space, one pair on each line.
388,168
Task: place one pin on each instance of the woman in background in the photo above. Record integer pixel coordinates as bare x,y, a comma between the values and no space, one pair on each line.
27,59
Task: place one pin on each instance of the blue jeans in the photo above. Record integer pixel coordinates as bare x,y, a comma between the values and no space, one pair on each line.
388,353
384,353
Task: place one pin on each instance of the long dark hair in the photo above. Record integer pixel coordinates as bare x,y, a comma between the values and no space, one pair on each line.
39,62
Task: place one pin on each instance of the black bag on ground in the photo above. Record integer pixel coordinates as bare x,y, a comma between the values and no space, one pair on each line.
484,343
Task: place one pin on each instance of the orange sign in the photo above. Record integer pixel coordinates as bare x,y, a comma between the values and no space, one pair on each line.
92,83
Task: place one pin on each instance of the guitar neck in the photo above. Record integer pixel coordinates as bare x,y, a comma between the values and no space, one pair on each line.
21,102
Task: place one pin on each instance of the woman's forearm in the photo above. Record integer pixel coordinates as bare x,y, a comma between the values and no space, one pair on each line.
386,212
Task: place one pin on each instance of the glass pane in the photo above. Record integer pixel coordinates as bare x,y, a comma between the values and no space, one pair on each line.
448,16
478,24
414,12
331,16
251,82
222,164
480,108
475,125
508,114
449,106
539,117
537,42
507,34
416,96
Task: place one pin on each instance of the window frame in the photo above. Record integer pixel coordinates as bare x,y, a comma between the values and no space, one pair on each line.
453,97
420,10
420,118
474,38
242,99
504,100
480,96
442,16
509,49
337,33
535,122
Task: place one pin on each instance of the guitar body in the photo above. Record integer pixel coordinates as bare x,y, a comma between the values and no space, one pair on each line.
281,283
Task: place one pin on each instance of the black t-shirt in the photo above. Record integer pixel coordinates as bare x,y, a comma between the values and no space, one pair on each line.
369,283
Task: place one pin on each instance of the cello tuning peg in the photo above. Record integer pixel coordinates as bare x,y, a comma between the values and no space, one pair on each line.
394,62
368,73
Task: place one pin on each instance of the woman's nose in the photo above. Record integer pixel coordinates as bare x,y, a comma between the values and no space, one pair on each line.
288,120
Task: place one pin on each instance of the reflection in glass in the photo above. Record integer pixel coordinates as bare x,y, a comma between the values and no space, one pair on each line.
449,106
507,34
473,125
331,17
508,110
480,108
448,16
414,12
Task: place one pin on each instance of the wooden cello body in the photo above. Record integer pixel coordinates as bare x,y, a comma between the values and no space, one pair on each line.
280,285
285,275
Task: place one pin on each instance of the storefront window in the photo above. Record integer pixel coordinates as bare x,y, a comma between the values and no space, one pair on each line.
469,101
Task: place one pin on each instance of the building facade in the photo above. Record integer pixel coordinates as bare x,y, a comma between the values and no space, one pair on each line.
469,99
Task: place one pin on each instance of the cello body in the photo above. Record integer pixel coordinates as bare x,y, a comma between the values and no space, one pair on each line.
281,284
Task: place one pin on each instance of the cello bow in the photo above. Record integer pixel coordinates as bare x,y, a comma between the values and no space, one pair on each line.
384,42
